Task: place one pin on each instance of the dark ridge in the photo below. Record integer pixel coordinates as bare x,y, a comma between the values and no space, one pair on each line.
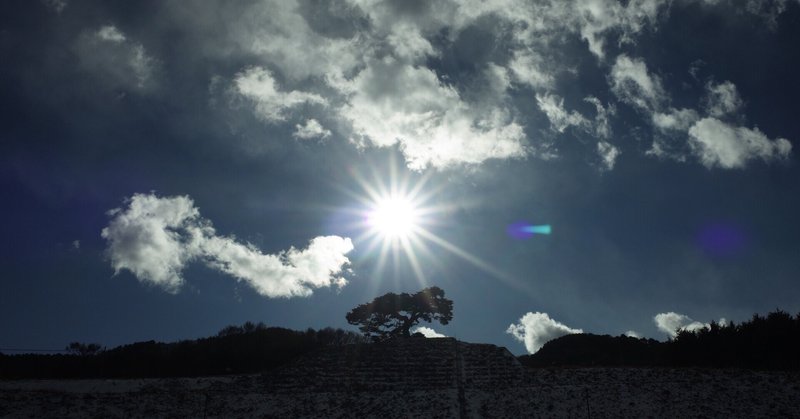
764,342
587,349
250,348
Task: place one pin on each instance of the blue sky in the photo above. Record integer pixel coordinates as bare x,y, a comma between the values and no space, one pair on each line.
170,168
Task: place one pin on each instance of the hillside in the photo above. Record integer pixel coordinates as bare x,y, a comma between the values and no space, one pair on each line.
417,377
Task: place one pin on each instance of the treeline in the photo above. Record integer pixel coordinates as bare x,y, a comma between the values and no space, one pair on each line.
764,342
249,348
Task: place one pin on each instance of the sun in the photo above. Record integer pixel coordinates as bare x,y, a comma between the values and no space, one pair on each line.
395,217
399,217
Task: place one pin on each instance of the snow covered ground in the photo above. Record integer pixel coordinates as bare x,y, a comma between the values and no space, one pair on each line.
548,392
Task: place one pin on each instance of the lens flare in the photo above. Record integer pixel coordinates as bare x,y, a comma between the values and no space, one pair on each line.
524,230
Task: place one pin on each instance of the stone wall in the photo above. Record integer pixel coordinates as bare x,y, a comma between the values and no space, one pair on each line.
400,364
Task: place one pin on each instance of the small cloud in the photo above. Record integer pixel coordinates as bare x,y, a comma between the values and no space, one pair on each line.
428,332
560,118
76,244
536,329
722,99
258,85
608,154
719,144
632,83
633,334
110,33
311,129
671,322
154,238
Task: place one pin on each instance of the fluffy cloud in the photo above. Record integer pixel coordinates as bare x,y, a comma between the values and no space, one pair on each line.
311,129
374,59
722,99
632,83
671,322
396,103
428,332
154,238
112,34
633,334
719,144
608,154
258,84
536,329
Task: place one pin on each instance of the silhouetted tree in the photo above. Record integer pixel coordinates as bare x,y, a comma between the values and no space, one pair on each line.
84,349
393,314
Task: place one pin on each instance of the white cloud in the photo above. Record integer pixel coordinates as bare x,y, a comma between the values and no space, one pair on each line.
529,68
396,103
112,34
258,84
722,99
633,334
674,119
632,83
154,238
536,329
719,144
671,322
602,127
76,244
147,238
311,129
560,118
608,154
428,332
714,142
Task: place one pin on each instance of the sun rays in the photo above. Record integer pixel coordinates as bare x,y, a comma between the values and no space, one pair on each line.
398,217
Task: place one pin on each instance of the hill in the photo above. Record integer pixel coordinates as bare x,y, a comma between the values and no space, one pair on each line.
417,377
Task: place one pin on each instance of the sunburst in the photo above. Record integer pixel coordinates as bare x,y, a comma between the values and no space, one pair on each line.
399,217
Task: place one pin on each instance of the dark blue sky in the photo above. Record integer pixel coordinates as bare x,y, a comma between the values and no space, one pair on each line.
238,143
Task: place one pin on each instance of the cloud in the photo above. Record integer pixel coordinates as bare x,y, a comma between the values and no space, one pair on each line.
560,119
719,144
674,119
396,103
722,99
428,332
715,143
536,329
154,238
115,59
632,83
112,34
608,154
311,129
671,322
258,84
633,334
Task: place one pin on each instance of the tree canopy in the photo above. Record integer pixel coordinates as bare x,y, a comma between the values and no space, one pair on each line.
392,315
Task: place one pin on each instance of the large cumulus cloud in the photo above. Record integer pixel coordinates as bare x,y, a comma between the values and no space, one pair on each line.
155,237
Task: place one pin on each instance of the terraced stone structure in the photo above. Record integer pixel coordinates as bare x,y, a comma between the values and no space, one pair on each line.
402,364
